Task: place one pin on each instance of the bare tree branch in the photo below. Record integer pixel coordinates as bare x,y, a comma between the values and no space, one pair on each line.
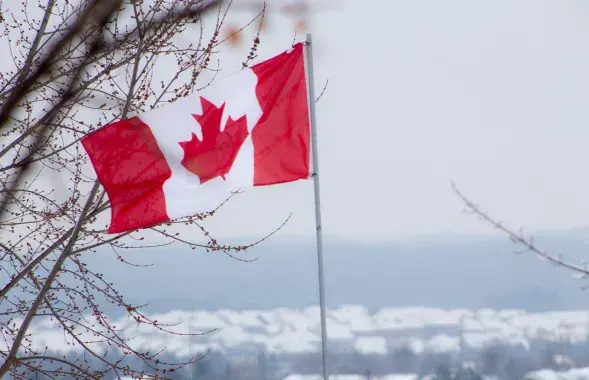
518,237
85,65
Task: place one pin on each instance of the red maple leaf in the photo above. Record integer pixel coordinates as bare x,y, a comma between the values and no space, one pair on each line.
214,155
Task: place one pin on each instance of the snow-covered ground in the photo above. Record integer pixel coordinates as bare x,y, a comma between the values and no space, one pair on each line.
350,328
545,374
571,374
354,377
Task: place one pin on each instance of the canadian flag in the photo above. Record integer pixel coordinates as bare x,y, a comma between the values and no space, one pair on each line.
250,129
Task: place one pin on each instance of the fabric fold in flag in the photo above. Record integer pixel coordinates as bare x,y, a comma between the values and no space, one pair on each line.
249,129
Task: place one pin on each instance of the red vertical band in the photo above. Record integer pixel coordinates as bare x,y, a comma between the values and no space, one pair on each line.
132,169
281,138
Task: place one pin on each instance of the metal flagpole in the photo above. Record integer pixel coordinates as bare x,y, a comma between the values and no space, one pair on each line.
311,96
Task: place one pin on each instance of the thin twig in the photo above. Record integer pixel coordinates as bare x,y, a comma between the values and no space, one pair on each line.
517,238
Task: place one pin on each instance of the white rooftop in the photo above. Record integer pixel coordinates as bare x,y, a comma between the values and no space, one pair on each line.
284,331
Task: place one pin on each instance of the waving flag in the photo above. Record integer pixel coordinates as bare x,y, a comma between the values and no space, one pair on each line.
250,129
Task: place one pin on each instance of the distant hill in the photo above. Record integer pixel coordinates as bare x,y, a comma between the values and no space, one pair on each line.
437,271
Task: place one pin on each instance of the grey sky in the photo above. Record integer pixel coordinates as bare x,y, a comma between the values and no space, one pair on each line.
493,95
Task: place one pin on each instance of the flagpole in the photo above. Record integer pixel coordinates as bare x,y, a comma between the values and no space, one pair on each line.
311,96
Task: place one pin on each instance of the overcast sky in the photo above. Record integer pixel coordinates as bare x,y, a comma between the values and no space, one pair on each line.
491,95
